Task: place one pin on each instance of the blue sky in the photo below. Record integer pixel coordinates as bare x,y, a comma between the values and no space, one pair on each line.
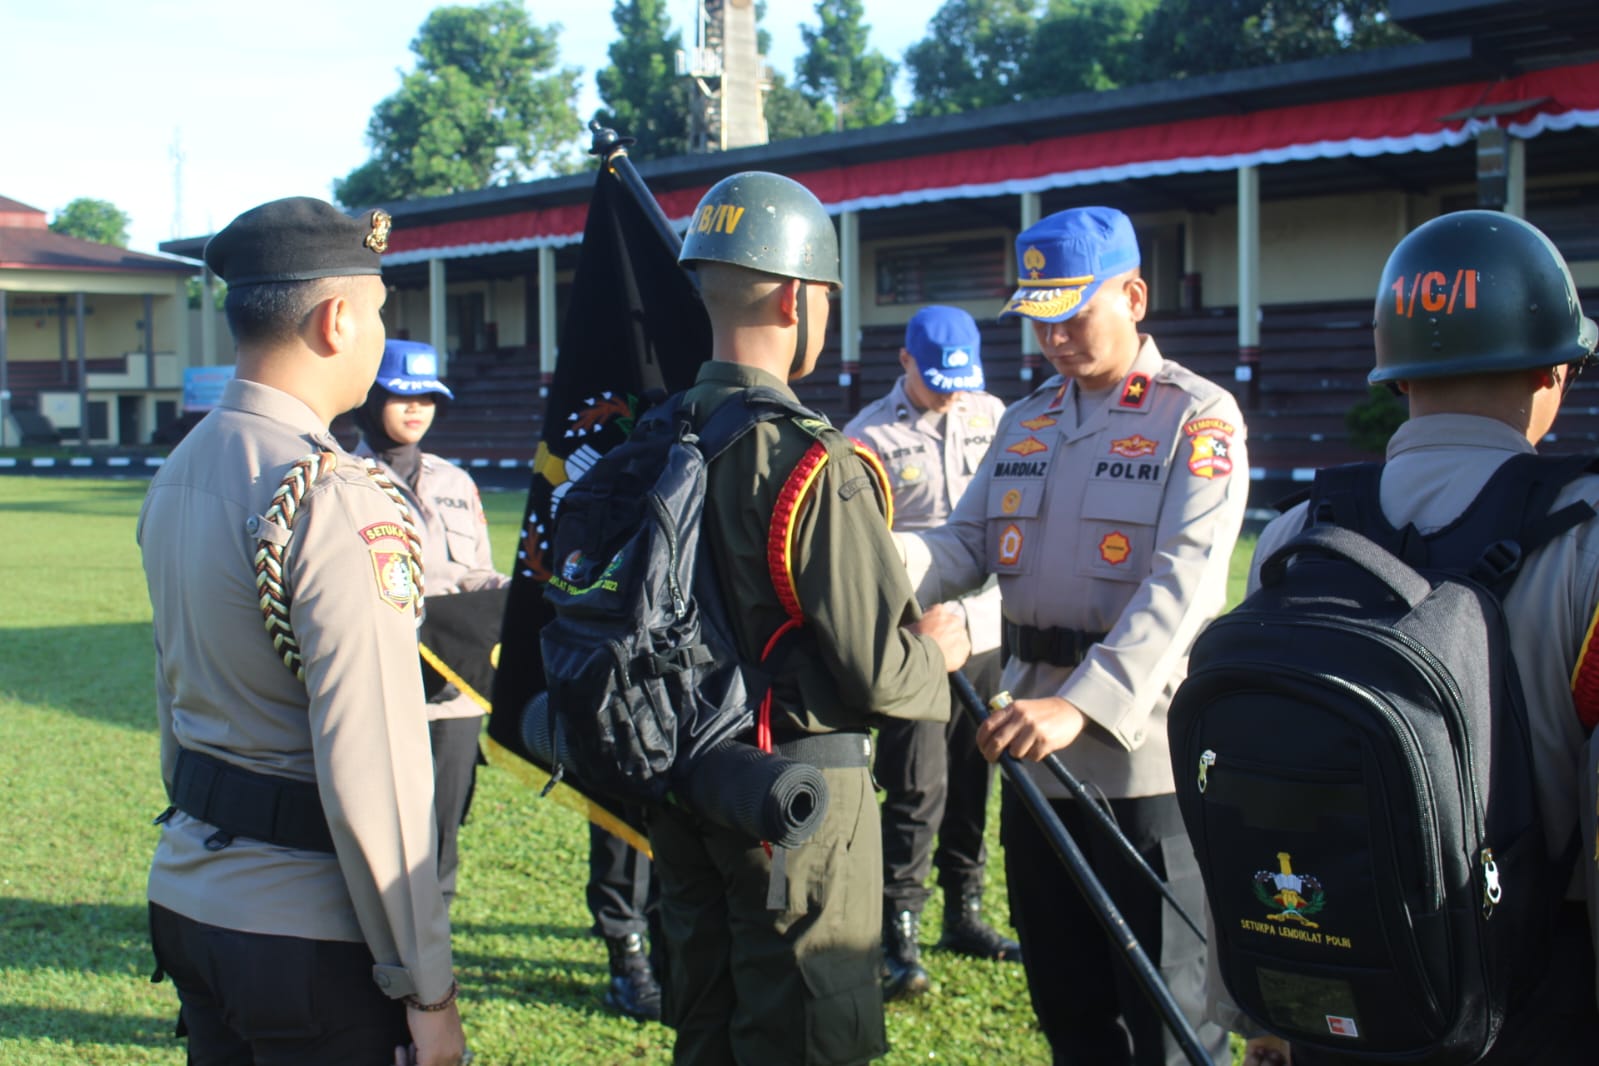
265,100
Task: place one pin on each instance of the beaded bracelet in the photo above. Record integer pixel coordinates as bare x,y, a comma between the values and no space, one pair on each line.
449,997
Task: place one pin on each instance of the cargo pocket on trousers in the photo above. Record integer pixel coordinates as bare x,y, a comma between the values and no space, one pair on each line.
842,1024
840,960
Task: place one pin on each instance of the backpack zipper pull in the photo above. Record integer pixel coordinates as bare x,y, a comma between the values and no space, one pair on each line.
1207,759
1490,888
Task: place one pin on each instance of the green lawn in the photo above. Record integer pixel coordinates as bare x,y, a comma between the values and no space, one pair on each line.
78,773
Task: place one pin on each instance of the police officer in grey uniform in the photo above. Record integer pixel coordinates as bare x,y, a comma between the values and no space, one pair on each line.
399,411
294,894
931,432
1108,507
1485,374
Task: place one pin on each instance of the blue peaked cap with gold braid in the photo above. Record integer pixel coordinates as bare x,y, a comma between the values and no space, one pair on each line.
1062,260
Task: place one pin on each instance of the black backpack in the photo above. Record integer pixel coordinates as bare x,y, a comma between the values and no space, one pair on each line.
1354,767
643,675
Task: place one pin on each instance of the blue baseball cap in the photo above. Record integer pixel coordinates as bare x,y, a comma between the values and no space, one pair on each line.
1062,260
411,368
945,344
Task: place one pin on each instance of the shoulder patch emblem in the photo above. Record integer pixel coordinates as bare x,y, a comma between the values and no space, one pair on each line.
910,473
1011,502
854,487
1134,392
1212,441
1134,447
1041,422
391,564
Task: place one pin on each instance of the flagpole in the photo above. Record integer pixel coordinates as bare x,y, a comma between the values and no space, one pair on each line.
611,148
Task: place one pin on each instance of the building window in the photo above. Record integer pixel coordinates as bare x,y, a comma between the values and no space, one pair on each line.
949,272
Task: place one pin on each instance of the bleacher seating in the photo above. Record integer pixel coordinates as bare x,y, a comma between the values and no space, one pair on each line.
1312,370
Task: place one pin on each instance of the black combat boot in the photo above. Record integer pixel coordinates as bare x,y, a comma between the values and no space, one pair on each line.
965,932
903,976
633,990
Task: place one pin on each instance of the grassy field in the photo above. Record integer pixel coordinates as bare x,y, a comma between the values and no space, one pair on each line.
79,777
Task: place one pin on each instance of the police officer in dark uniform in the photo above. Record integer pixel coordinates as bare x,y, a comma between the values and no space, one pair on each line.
778,963
294,894
623,900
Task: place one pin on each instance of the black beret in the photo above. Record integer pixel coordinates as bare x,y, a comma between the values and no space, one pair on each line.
297,239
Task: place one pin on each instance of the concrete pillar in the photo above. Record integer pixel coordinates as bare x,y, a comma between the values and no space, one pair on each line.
1515,176
149,341
1248,371
849,307
1032,355
83,376
208,319
5,387
549,339
437,333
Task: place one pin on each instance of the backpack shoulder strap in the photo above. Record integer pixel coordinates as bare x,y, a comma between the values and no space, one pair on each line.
1511,518
740,413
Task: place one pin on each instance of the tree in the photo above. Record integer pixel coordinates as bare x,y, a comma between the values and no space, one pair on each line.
486,104
642,93
838,72
89,219
790,114
972,55
1182,38
1083,46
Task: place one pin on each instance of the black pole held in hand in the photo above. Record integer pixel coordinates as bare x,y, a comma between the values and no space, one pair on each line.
1058,769
1103,906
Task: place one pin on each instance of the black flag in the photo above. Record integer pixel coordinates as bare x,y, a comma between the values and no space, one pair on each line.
635,327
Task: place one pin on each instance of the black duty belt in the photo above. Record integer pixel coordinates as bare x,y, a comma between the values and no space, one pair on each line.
243,803
827,751
1058,647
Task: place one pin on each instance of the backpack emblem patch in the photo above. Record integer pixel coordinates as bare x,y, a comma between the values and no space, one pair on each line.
1295,897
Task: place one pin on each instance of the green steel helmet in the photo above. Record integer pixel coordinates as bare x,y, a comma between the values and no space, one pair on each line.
764,222
1477,292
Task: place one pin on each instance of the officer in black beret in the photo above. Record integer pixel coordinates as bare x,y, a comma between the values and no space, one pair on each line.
294,894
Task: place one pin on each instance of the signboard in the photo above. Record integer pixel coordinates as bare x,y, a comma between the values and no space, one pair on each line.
202,386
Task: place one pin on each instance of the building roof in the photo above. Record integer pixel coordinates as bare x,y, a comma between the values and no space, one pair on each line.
29,247
1324,125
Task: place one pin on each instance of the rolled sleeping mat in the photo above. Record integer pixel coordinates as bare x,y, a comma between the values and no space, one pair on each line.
765,796
547,747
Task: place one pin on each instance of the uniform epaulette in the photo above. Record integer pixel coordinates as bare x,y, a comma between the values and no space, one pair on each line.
1195,384
275,528
815,427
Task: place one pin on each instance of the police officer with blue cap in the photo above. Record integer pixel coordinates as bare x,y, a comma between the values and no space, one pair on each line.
931,432
399,411
1107,507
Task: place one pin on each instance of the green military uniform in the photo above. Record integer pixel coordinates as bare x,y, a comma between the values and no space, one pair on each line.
745,983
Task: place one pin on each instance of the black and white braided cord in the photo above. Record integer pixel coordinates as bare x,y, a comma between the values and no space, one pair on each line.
269,557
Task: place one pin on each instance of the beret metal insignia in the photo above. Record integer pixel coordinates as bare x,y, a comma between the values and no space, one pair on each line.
378,239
